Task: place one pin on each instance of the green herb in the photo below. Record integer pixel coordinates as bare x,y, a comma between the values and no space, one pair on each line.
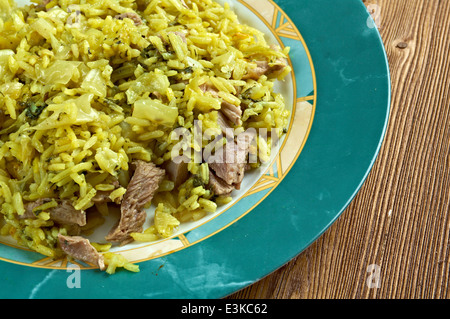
197,181
123,72
189,69
149,52
34,109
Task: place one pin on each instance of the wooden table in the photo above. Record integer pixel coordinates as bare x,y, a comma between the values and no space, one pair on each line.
402,210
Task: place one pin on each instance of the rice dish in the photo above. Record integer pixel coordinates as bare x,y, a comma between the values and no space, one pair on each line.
122,104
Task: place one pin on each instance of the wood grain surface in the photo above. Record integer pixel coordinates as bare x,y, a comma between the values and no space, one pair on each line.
400,219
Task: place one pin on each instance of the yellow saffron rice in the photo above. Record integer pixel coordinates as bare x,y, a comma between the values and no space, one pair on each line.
87,87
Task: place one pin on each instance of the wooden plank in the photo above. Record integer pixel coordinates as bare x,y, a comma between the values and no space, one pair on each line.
400,218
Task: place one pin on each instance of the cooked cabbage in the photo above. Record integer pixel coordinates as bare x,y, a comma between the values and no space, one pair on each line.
148,82
155,111
95,83
60,72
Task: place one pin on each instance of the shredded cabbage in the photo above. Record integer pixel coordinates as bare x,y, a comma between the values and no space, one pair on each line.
155,111
60,72
95,83
147,82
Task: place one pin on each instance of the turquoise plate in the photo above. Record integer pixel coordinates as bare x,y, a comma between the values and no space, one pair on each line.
339,97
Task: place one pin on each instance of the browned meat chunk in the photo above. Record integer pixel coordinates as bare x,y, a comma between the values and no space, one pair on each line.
231,111
223,123
29,207
262,67
208,88
130,15
277,68
143,185
177,172
103,196
64,213
80,248
226,164
218,185
230,162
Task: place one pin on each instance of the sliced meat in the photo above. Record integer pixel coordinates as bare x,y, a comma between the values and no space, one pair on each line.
64,213
30,206
277,68
143,185
177,172
103,196
230,162
279,65
209,88
130,15
226,165
245,140
218,185
263,67
223,123
80,248
232,112
254,73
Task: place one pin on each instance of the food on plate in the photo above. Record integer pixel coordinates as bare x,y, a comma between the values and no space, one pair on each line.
119,104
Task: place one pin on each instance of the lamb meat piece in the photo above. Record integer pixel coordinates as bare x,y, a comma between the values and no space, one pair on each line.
177,171
209,88
262,67
230,162
218,185
64,213
226,165
232,112
103,196
223,123
80,248
245,140
30,206
140,191
277,68
279,65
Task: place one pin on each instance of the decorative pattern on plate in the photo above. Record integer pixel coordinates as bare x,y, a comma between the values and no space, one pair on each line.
300,94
